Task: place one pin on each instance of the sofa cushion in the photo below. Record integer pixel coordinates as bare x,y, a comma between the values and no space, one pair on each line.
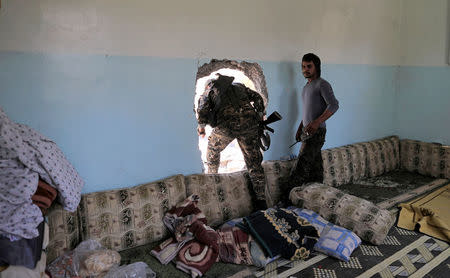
364,218
222,196
352,162
277,175
128,217
431,159
63,231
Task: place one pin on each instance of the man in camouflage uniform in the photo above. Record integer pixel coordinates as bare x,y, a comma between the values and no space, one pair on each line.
234,111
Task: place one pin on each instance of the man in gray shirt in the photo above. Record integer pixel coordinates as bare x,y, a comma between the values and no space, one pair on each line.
318,104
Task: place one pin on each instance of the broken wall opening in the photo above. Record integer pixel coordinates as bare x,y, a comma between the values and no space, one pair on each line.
249,74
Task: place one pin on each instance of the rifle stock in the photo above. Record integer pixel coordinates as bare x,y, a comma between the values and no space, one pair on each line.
274,117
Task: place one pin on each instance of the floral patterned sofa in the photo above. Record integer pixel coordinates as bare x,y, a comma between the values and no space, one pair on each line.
125,218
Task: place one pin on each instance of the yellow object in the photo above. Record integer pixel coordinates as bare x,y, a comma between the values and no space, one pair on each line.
431,212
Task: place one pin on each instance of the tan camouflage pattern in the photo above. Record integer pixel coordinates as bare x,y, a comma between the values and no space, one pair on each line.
249,144
240,119
244,112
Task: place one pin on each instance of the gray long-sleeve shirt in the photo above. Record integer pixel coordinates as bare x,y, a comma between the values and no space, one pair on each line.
317,96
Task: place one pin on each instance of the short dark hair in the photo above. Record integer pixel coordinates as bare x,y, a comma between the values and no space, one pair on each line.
311,57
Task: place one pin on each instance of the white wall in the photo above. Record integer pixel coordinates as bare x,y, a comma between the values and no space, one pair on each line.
351,31
424,33
382,32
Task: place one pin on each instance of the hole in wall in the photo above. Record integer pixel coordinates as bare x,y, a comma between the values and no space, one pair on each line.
249,74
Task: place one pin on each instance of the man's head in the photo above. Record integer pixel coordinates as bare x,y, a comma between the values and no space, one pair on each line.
311,66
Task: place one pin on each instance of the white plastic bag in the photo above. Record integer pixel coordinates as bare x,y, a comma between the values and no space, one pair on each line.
134,270
81,252
88,259
68,264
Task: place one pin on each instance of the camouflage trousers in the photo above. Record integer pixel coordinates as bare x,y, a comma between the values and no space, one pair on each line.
309,166
249,144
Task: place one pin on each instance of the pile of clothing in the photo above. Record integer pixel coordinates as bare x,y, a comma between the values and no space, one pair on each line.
254,240
33,174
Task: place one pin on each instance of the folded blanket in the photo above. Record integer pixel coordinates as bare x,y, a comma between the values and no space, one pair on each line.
196,258
179,217
167,250
430,212
234,246
258,257
282,232
194,245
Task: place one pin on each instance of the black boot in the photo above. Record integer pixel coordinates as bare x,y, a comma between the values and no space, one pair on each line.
260,205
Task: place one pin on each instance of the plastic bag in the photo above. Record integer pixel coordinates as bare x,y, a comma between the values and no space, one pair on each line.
99,261
80,253
88,259
92,259
134,270
62,267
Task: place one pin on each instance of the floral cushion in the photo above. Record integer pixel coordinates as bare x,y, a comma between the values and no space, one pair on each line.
277,174
222,196
431,159
364,218
63,229
352,162
128,217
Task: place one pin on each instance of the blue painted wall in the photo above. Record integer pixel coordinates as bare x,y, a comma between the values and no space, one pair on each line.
125,120
423,110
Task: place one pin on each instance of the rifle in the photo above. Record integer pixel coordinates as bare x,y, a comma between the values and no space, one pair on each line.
274,117
265,137
304,136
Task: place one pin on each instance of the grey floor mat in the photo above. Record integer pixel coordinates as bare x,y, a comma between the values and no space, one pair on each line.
387,186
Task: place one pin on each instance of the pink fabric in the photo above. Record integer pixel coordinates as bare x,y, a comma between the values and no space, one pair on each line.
194,244
196,258
234,246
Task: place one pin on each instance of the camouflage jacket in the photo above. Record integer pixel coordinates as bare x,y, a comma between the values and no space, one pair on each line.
230,106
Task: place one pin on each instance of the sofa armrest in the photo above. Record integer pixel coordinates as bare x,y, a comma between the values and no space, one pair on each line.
431,159
63,229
